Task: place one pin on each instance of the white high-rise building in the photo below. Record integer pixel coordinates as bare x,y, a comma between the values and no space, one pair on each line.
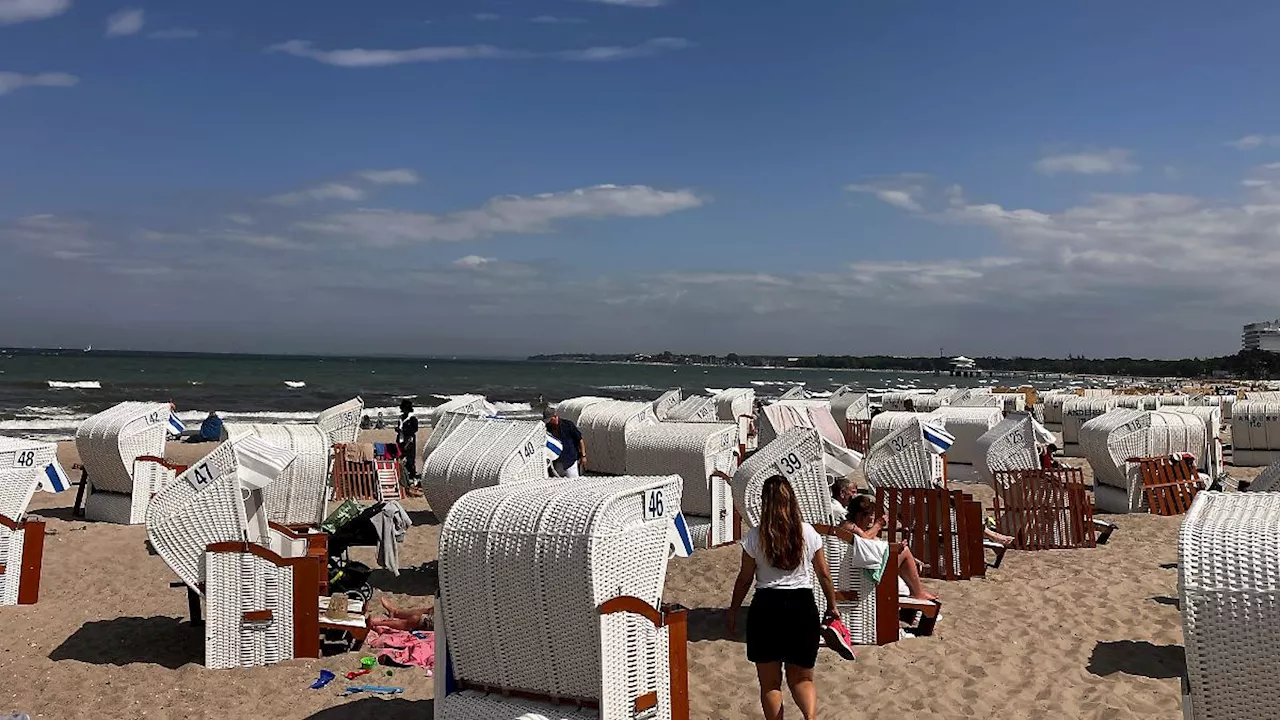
1262,336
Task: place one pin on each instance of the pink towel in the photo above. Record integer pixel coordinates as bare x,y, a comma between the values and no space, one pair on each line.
405,648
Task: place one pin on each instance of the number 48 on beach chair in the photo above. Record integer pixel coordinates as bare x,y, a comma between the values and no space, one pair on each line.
24,466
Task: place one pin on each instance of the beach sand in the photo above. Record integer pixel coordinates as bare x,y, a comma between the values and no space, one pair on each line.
1061,634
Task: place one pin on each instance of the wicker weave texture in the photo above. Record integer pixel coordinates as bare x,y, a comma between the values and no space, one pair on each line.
693,451
1228,552
557,550
967,424
1075,413
110,441
482,453
1011,445
572,408
299,496
238,583
1110,440
733,403
900,460
22,463
604,429
342,422
1255,425
698,408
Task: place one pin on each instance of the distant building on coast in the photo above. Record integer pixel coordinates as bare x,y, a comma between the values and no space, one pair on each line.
1262,336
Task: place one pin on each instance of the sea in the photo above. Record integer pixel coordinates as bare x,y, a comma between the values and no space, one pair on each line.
46,394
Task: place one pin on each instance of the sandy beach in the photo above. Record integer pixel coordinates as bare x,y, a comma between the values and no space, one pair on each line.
1061,634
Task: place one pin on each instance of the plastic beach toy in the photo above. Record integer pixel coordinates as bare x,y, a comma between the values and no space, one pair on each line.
325,678
375,689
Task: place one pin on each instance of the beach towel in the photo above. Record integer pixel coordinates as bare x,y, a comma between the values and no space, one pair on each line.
405,648
359,452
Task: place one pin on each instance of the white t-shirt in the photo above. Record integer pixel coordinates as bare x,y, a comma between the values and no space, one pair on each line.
768,576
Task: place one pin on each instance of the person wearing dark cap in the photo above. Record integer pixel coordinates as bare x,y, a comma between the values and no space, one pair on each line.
573,453
407,436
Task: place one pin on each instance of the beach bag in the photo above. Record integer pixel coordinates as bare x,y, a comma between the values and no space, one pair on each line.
341,515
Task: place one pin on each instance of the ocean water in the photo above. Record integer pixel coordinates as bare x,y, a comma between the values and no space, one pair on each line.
45,395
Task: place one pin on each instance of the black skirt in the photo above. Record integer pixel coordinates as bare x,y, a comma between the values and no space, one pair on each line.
783,626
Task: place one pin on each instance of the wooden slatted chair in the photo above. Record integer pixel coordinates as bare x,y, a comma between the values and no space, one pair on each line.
1170,485
375,481
874,614
1047,509
943,528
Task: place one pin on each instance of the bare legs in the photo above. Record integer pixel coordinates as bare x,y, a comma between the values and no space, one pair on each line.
799,680
402,619
910,574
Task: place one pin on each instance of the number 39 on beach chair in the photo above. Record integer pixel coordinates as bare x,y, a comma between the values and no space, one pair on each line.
24,466
549,603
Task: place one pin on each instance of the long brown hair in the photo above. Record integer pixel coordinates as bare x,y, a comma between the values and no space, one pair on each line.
781,533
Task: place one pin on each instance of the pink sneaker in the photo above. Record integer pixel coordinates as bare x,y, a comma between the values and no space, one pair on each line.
838,638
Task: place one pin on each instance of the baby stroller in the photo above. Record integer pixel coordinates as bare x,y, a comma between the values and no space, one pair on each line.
349,527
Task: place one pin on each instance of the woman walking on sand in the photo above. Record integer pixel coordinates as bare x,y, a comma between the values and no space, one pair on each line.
783,627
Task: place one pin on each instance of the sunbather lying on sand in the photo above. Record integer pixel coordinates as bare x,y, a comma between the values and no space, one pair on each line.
422,618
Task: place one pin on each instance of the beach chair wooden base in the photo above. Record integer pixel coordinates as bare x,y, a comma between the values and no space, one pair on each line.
1044,509
369,482
943,528
27,571
1170,486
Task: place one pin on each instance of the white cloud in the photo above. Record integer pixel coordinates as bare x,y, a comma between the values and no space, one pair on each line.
902,191
473,261
555,20
487,17
240,219
328,191
632,3
609,53
1114,160
263,240
16,11
125,22
1251,142
364,58
176,33
12,82
398,176
511,214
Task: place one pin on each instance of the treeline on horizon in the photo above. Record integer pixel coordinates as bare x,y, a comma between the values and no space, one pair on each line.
1247,364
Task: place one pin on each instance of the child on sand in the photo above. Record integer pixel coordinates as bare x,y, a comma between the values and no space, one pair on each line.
871,554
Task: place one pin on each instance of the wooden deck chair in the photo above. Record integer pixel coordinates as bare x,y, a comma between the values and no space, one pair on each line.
299,497
943,528
109,443
1228,585
1169,485
583,562
482,453
1046,509
261,584
1110,440
23,464
364,481
704,455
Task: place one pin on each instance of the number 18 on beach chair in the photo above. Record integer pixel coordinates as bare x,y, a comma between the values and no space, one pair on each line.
582,564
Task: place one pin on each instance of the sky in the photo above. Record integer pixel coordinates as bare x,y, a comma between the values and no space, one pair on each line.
507,177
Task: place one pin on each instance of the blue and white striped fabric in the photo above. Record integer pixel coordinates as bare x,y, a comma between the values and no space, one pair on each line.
55,479
936,440
175,424
554,447
679,536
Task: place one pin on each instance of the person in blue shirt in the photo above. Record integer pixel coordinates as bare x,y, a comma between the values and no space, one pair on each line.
573,454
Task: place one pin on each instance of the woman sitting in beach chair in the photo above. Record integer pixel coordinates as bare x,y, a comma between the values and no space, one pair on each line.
871,554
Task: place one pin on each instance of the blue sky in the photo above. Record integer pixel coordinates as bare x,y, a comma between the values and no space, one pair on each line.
512,177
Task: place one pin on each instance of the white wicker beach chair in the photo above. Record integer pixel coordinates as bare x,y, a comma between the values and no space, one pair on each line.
899,458
1011,445
738,405
108,444
22,465
481,453
1050,406
967,424
299,496
665,402
704,455
1210,459
448,416
1111,440
1230,600
1255,432
261,587
604,429
698,408
582,564
572,408
896,401
1075,413
870,611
